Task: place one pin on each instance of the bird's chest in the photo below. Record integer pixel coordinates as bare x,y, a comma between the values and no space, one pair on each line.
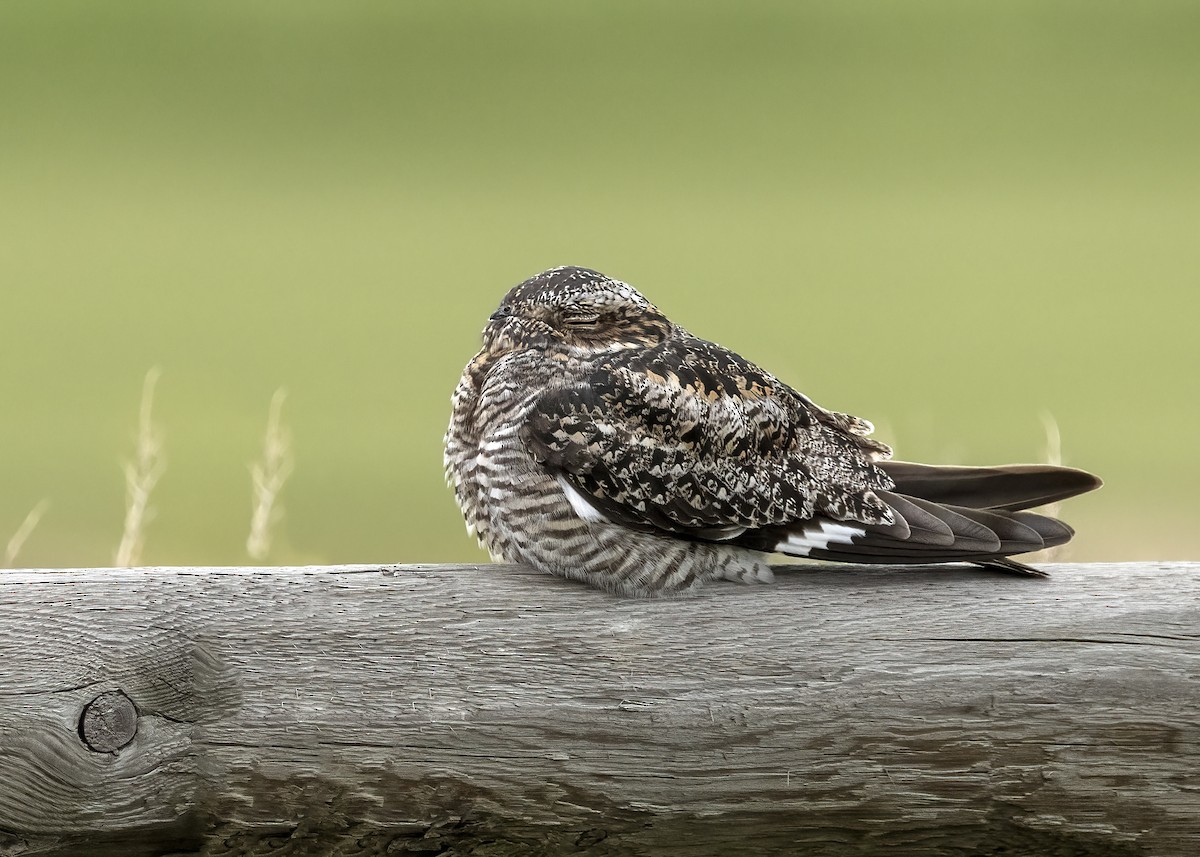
495,396
487,461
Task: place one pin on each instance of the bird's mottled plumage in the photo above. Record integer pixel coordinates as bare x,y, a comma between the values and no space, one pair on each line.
593,438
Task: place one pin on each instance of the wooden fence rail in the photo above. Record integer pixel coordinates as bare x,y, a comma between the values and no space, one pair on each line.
491,710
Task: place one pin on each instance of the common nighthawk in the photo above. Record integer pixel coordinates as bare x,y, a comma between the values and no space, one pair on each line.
593,438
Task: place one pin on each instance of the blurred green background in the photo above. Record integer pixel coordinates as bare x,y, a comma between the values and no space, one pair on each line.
948,217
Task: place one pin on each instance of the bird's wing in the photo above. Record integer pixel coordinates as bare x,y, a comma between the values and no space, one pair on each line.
690,438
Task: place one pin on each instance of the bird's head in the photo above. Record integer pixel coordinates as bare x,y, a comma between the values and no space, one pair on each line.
574,311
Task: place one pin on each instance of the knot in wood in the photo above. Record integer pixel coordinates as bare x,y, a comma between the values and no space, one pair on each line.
108,722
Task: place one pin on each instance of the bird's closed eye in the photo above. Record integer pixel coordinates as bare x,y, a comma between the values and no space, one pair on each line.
580,317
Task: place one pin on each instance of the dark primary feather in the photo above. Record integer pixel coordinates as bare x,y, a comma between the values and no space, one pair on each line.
1011,487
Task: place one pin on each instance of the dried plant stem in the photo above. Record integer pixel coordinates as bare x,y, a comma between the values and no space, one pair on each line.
141,475
267,477
1052,454
23,532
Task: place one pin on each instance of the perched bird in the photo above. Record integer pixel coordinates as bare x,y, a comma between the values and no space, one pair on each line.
593,438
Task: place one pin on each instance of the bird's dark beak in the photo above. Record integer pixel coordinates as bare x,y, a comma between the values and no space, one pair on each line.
505,311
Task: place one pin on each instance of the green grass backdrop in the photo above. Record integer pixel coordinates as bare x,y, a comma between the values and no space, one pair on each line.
946,217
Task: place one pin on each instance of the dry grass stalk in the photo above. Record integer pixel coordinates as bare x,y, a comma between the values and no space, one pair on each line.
23,532
267,476
1052,454
141,475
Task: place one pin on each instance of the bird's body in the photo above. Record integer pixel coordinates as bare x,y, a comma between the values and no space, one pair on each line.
593,438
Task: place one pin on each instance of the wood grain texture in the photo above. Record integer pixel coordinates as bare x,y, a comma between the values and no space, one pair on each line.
492,710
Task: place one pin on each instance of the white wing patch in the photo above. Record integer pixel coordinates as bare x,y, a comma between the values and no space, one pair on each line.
579,503
817,537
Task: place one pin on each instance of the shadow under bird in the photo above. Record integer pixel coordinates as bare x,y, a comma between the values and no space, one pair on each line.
593,438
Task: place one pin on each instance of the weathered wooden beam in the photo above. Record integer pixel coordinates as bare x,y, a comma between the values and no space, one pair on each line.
492,710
